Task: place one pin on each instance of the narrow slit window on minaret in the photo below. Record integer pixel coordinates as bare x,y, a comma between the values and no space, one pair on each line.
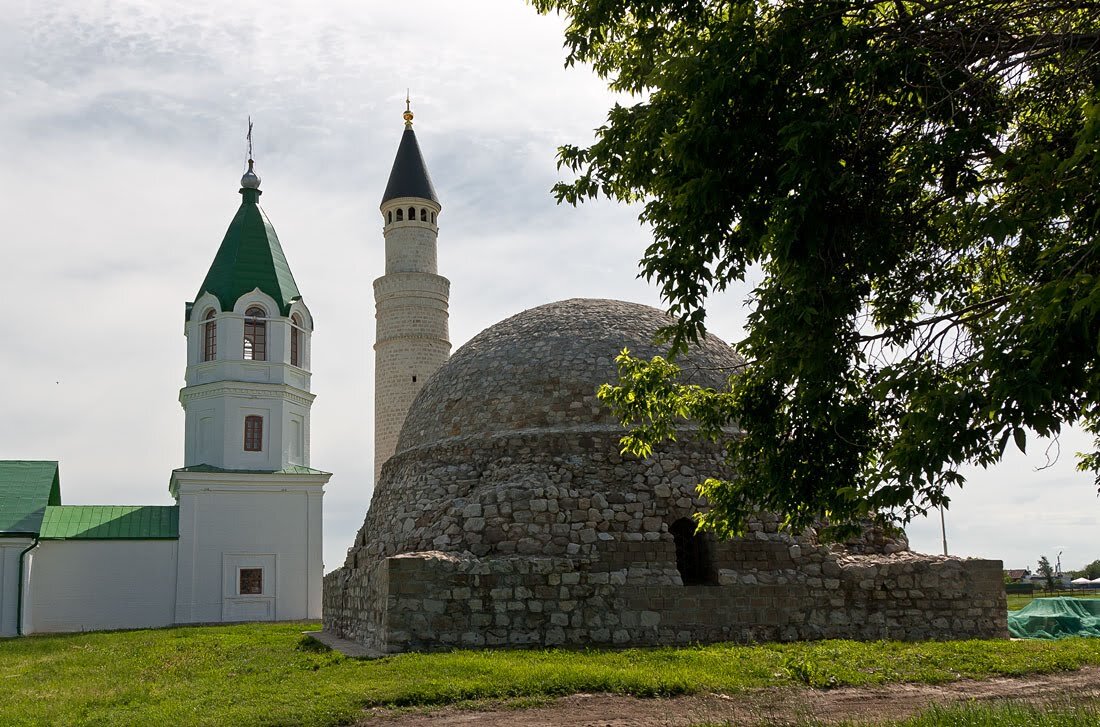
414,378
400,214
389,217
433,218
255,334
210,337
295,340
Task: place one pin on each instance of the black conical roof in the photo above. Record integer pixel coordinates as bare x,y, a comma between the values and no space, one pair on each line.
409,176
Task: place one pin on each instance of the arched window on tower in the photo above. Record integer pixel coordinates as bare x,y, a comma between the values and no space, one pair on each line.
295,340
210,336
693,556
389,217
412,214
400,214
423,215
253,433
255,334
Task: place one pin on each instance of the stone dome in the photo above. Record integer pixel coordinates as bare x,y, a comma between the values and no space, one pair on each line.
539,370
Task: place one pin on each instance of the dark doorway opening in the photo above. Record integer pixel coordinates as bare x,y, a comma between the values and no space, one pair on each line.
693,554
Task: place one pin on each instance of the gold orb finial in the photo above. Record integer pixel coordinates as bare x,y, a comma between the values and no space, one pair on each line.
408,115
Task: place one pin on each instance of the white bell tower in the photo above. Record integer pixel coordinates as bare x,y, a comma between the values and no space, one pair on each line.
412,339
249,502
247,397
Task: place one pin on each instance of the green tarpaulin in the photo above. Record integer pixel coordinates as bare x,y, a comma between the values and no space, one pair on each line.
1056,618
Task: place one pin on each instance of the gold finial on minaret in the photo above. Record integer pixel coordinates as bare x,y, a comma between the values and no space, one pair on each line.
408,115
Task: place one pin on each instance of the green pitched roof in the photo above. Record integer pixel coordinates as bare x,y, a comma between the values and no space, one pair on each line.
26,488
250,257
111,522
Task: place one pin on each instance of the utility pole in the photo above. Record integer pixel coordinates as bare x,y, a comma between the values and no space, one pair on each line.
943,530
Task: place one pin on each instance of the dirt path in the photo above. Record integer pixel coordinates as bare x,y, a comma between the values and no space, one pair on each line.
760,707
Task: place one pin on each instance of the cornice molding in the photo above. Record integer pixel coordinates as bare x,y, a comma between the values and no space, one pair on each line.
248,390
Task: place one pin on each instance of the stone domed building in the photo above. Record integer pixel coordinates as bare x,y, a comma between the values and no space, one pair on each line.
510,425
507,516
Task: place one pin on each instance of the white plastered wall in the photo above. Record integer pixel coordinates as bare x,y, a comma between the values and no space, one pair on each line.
221,393
10,549
230,521
89,585
214,422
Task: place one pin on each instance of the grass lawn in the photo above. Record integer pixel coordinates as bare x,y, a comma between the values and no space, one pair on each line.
981,715
266,674
1003,715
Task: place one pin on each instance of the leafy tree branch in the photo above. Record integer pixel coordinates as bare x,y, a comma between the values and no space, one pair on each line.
919,183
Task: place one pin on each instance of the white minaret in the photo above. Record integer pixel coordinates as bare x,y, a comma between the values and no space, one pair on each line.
249,504
411,339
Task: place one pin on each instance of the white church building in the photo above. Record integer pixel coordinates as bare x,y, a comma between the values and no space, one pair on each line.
243,541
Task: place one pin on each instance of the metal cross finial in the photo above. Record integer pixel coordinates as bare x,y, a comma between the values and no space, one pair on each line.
250,180
408,115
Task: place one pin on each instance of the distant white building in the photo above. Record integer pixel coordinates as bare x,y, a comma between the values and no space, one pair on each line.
243,541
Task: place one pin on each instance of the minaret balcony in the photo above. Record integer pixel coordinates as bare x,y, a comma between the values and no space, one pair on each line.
410,212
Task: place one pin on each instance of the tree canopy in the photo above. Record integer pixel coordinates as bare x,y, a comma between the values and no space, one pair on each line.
1090,571
917,187
1046,570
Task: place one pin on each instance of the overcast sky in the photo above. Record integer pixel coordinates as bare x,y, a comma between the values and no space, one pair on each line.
122,137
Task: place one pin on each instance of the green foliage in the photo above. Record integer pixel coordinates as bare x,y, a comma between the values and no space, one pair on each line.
312,645
919,185
1090,571
976,714
1046,570
811,673
259,674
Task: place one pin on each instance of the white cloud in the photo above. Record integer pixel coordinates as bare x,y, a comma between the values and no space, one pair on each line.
124,125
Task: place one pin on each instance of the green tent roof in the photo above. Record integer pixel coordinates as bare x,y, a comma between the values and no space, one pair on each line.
250,257
26,488
111,522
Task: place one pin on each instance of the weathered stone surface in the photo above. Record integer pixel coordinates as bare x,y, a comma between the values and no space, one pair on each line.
509,518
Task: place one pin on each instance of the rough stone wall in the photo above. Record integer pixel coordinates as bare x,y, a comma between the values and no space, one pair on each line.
541,369
507,515
411,343
410,245
355,600
435,601
531,493
518,540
